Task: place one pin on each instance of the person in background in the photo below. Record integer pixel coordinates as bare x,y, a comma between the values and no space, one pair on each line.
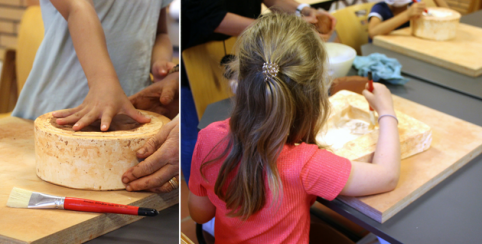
93,56
217,20
390,15
260,171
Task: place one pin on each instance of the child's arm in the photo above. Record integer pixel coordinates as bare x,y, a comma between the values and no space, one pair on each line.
378,27
162,50
106,97
200,208
382,174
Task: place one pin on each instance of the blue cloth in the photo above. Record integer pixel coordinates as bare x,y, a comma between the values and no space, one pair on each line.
382,67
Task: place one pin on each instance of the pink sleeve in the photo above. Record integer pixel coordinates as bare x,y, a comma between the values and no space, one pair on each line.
325,174
196,179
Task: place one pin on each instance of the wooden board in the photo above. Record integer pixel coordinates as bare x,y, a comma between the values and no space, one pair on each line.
415,136
17,169
461,54
454,143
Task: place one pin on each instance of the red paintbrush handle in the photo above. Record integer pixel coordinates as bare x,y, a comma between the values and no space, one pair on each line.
370,89
85,205
425,10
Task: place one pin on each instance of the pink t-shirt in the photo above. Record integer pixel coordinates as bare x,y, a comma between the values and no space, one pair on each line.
306,172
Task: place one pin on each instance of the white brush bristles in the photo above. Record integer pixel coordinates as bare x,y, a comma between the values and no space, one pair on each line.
19,198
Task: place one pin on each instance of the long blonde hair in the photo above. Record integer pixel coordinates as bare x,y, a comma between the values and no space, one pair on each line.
288,108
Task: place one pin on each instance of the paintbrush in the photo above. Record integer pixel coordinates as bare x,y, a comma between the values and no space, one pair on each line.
20,198
370,89
425,10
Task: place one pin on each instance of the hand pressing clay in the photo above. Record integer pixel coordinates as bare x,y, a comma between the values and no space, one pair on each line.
90,159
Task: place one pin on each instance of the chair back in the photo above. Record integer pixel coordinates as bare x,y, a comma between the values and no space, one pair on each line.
465,6
30,35
18,62
206,74
352,25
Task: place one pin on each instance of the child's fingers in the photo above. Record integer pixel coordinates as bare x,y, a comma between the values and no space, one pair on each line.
163,67
368,95
86,120
66,112
106,119
136,115
71,118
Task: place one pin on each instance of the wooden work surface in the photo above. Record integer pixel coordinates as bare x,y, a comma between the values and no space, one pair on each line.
17,169
454,143
461,54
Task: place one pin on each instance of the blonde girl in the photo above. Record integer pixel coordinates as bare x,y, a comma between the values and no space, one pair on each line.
260,171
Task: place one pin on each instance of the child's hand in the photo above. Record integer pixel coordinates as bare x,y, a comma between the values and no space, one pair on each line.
416,10
103,101
324,22
160,69
380,99
161,97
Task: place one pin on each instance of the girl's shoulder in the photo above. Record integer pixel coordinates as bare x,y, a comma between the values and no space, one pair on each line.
213,134
218,128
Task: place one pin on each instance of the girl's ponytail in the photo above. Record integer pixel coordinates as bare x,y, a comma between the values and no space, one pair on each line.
281,99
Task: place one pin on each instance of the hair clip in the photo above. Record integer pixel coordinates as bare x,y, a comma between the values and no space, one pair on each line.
270,70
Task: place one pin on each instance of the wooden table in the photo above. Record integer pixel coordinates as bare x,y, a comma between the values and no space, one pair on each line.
435,74
450,212
17,169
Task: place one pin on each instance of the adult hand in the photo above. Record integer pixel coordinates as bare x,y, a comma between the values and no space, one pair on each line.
161,163
324,22
160,69
103,101
161,97
415,10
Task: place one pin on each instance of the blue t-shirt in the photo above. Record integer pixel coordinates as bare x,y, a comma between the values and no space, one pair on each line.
383,12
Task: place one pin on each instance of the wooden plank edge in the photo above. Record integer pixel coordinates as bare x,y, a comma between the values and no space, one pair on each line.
382,217
362,207
8,240
431,184
424,57
105,223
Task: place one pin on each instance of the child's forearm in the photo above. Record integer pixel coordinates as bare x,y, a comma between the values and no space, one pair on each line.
89,40
385,27
387,153
162,49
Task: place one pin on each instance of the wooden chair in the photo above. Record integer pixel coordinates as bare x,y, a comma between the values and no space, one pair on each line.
465,6
352,25
205,73
18,62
